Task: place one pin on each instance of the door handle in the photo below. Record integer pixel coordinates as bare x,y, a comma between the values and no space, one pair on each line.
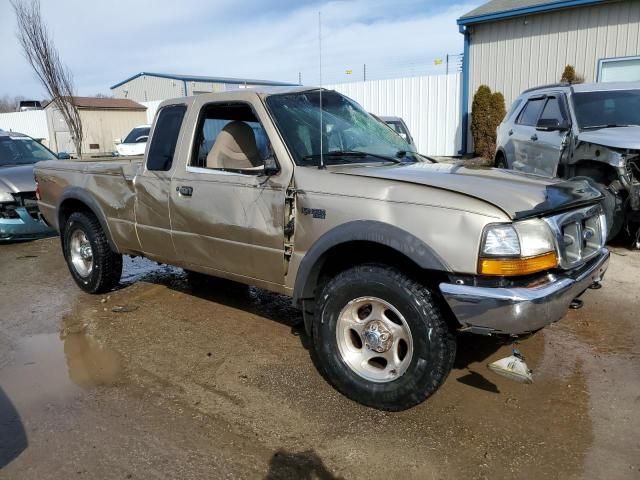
510,132
534,137
185,191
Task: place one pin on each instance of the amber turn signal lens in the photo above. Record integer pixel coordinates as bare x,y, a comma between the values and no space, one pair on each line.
507,267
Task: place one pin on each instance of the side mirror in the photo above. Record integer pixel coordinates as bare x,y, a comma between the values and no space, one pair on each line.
64,156
552,124
271,166
117,141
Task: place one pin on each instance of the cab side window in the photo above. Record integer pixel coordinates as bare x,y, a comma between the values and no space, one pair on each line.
531,112
230,137
165,137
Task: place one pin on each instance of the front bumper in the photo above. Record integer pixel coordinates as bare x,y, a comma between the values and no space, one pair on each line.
521,310
25,227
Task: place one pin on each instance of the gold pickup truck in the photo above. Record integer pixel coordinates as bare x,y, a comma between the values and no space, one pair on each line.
388,254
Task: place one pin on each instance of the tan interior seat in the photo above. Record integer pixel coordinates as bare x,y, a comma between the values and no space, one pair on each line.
235,148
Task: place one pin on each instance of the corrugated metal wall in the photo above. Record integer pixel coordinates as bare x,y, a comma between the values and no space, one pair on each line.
32,123
429,105
513,55
147,88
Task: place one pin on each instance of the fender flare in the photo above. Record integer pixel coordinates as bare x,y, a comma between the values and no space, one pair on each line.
362,230
81,195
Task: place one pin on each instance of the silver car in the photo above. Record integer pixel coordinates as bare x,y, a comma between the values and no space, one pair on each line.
586,130
19,215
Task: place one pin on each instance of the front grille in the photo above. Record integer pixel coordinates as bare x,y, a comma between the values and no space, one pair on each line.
29,201
580,235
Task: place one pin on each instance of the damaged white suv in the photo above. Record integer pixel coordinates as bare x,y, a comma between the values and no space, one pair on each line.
585,130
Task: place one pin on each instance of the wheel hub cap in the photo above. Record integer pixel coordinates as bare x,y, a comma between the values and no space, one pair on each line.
81,253
374,340
85,251
377,337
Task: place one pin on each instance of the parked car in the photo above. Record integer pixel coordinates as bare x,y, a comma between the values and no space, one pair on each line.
28,105
388,255
135,142
397,125
587,130
19,215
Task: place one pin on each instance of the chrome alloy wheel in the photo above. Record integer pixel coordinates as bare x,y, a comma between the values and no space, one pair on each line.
374,339
81,253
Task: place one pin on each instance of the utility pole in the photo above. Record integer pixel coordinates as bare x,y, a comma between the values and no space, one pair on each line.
364,72
299,78
447,64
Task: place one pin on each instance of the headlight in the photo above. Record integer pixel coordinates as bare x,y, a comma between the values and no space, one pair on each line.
6,197
514,249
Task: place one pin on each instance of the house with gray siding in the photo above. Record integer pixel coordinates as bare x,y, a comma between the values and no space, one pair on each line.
149,86
512,45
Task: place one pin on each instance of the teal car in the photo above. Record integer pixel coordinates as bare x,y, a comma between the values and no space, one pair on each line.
19,215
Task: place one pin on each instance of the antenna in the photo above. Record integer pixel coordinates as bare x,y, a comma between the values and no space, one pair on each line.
321,165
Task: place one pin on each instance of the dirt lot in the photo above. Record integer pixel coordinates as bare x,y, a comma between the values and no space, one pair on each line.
163,380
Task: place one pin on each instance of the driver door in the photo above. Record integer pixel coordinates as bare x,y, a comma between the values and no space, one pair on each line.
547,149
227,216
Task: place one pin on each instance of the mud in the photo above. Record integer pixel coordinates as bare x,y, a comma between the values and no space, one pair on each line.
168,378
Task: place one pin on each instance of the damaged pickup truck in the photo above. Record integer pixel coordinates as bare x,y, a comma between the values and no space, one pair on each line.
300,191
581,131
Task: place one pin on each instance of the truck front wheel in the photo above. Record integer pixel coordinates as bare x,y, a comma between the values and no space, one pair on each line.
380,338
93,265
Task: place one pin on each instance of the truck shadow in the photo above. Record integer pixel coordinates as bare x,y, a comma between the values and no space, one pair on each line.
278,308
13,438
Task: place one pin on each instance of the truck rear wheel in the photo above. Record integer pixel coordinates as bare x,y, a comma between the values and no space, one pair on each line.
93,265
380,339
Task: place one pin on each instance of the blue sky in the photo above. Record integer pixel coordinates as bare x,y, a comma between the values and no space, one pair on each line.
103,42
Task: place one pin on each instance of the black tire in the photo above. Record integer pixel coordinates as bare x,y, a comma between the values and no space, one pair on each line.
501,161
107,264
434,344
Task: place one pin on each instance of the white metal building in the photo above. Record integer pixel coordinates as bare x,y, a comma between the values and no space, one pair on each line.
512,45
148,86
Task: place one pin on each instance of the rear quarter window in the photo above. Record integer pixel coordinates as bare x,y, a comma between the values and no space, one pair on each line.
165,137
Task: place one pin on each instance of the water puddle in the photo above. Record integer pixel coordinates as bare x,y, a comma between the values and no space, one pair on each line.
135,269
50,367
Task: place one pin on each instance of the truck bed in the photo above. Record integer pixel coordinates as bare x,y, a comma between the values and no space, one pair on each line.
108,179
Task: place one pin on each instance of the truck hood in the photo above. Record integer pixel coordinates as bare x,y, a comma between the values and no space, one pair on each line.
17,179
618,137
518,195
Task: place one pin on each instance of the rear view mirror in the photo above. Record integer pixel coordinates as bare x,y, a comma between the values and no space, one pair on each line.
64,156
552,124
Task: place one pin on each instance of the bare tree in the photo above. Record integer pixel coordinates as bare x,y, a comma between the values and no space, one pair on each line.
10,104
42,55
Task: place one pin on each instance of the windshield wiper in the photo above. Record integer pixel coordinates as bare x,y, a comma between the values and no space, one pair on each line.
354,154
610,125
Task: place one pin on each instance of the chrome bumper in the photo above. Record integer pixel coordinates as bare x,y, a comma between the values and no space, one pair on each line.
521,310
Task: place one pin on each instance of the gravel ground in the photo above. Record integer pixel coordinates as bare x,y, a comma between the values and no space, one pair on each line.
163,380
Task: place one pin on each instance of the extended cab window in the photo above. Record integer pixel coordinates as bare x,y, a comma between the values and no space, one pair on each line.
165,137
230,137
531,112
